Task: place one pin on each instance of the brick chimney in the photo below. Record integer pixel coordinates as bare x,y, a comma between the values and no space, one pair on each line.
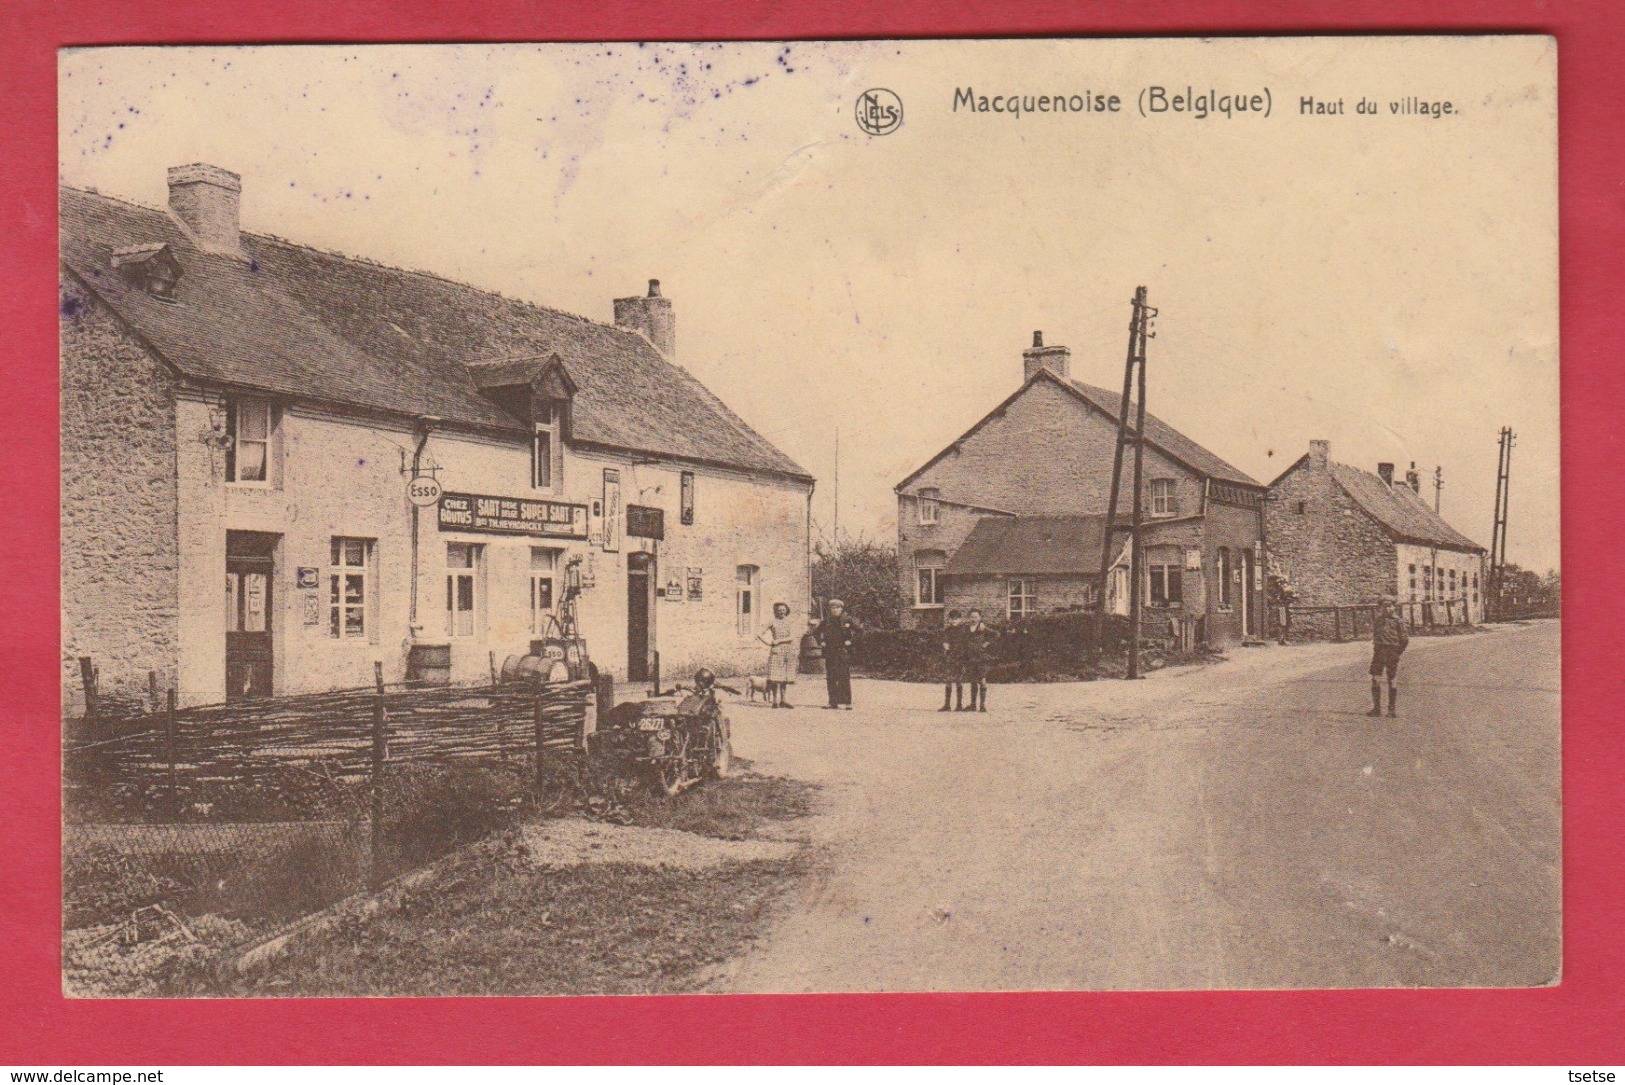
205,200
1413,480
1385,471
650,315
1057,360
1319,453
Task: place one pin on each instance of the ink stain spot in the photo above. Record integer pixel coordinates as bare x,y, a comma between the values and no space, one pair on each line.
72,307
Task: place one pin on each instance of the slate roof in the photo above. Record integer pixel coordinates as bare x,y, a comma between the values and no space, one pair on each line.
1167,438
298,322
1030,545
1399,510
1158,433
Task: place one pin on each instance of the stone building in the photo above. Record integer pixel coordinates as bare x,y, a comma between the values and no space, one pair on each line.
1340,536
1026,490
243,418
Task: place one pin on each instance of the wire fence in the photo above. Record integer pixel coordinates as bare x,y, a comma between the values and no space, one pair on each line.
191,832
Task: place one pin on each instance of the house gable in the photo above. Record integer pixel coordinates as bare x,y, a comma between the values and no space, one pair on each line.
1331,552
1044,451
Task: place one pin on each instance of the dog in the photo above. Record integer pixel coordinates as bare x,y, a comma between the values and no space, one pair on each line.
753,686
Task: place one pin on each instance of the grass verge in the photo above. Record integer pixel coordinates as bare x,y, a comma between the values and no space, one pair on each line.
496,923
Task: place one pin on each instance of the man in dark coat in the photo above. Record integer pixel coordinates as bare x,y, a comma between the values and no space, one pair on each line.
1389,639
836,634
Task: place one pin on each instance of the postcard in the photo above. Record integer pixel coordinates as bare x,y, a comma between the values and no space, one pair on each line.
814,516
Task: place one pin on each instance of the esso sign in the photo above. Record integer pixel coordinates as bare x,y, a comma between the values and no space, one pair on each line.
423,491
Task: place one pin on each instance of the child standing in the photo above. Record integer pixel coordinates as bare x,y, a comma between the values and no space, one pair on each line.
781,656
978,656
953,679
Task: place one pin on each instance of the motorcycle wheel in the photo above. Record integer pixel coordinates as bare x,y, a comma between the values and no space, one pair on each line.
671,773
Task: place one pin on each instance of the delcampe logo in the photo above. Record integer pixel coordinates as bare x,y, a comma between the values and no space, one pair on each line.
879,112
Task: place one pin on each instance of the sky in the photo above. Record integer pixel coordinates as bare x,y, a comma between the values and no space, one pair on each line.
1387,282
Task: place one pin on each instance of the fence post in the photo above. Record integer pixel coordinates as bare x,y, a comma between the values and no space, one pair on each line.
541,768
380,753
1337,624
169,752
152,691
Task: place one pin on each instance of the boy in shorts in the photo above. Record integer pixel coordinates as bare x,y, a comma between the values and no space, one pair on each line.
1389,639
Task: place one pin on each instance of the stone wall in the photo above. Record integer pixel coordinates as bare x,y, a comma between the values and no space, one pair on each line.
954,523
119,563
992,595
1332,552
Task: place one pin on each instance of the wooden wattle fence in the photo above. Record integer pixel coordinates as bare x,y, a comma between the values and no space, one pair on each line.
345,737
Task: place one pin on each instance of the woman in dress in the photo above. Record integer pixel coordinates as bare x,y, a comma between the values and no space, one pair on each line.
781,656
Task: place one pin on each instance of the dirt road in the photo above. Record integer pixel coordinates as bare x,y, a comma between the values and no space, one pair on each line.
1238,825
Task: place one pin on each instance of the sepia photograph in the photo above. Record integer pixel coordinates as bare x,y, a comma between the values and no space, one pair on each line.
810,517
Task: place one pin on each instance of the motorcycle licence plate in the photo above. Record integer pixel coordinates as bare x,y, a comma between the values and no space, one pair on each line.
651,724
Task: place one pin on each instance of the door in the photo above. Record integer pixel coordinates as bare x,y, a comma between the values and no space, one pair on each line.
249,581
639,581
1249,602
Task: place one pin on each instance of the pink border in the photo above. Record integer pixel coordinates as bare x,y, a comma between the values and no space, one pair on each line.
1581,1020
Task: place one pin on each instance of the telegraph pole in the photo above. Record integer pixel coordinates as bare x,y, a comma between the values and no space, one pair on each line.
1438,484
1137,335
835,531
1498,534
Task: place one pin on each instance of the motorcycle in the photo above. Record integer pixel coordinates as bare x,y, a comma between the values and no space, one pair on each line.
673,740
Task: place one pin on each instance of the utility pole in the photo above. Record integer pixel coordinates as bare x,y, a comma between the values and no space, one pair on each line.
1138,333
1438,484
1498,534
836,530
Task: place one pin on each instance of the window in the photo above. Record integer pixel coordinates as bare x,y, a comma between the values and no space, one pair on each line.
347,588
930,506
1413,583
687,514
1023,597
250,424
1227,578
544,566
462,574
1452,584
1164,587
928,577
745,599
1162,497
546,455
1427,582
1300,507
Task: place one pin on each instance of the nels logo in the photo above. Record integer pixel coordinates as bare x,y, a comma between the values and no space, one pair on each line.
879,112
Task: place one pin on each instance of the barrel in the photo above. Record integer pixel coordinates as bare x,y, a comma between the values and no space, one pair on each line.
812,655
429,664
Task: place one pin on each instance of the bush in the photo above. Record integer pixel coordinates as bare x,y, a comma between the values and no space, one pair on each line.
1052,647
430,810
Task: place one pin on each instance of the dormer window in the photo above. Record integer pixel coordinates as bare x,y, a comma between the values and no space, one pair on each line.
546,453
152,269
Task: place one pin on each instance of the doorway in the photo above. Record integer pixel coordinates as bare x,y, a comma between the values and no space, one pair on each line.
1249,605
250,568
639,584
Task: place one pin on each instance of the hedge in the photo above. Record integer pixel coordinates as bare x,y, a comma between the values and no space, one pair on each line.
1043,648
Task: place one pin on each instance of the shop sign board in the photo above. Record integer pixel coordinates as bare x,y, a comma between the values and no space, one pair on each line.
645,522
512,516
